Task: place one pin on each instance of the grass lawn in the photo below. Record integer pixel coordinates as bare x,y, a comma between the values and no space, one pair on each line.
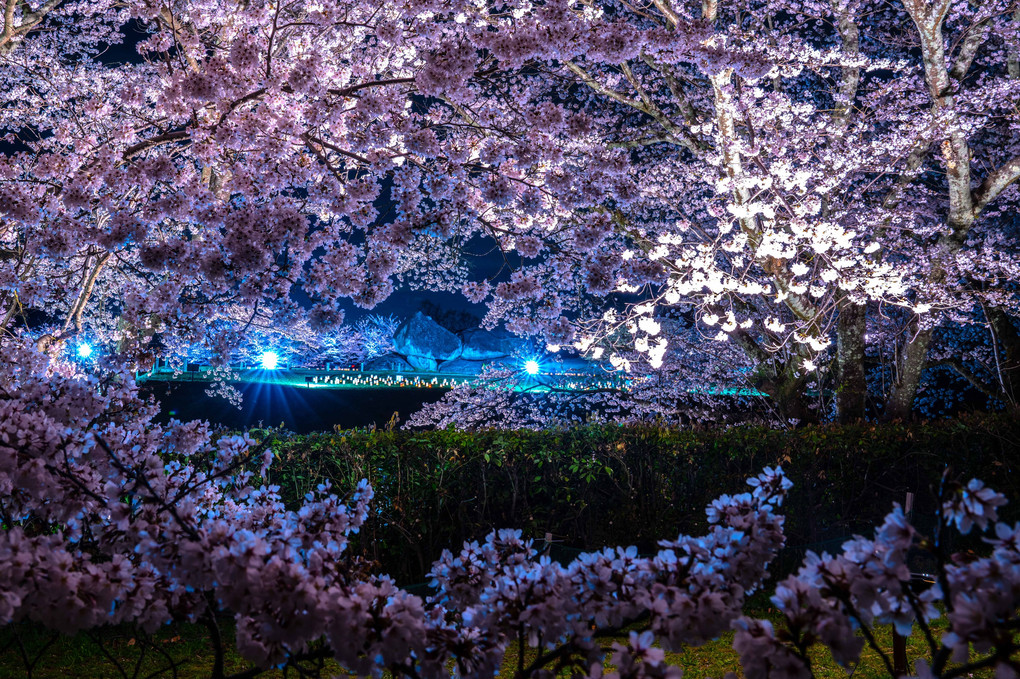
188,645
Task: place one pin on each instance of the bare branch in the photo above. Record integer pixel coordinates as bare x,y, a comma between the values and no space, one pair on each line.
975,37
995,183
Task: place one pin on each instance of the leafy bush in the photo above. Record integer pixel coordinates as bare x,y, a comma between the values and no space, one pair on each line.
592,486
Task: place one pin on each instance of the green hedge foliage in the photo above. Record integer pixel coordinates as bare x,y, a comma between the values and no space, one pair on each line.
596,486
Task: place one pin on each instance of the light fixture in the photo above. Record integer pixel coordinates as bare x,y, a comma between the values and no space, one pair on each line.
270,360
84,350
531,367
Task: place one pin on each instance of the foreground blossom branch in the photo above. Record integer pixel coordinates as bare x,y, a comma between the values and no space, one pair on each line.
870,583
110,519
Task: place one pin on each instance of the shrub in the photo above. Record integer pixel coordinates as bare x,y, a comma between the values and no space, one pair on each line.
593,486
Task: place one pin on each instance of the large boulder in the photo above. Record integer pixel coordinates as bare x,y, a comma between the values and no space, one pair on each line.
388,362
486,345
459,366
425,343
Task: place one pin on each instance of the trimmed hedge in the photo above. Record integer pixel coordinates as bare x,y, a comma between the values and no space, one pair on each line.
596,486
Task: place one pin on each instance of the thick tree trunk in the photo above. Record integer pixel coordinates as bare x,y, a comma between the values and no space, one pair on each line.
1013,54
852,387
913,360
788,396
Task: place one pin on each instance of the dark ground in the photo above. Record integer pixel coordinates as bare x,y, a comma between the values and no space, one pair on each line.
298,409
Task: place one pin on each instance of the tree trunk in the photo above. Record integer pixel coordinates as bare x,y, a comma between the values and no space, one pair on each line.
1013,54
1008,363
852,387
913,360
788,396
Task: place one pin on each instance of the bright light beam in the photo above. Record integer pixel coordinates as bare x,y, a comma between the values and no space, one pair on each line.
84,351
531,367
270,360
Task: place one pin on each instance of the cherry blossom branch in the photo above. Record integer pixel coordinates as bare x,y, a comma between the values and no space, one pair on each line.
672,132
12,35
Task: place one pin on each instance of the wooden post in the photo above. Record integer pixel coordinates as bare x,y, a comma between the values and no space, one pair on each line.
899,654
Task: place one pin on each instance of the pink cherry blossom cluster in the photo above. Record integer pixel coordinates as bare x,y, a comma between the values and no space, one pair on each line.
871,583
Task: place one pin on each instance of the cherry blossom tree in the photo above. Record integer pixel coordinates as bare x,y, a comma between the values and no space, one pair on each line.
236,159
789,169
788,175
785,172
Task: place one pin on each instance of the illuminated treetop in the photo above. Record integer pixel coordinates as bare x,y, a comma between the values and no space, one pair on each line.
765,171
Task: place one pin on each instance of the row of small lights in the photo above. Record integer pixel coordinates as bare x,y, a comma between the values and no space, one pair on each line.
377,381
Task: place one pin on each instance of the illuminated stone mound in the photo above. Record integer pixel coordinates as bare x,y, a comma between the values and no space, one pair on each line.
425,343
488,345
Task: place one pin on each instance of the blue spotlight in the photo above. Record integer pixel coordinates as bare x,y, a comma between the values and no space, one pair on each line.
531,367
84,350
270,360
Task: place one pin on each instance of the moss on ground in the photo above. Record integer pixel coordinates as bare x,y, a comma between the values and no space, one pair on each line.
188,645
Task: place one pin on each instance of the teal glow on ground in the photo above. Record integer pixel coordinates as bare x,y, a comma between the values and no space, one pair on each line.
356,379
